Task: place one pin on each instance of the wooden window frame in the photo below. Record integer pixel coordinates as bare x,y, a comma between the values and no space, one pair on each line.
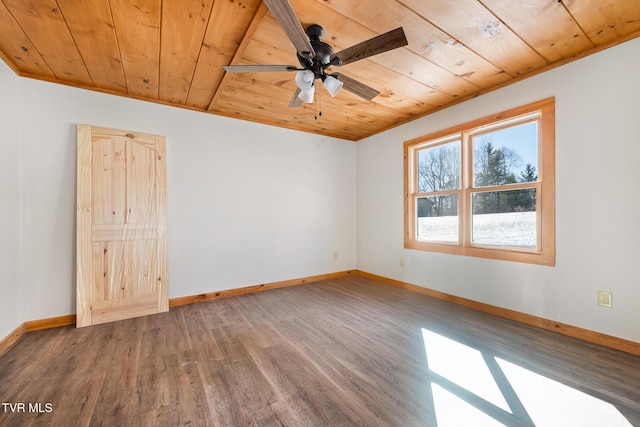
544,253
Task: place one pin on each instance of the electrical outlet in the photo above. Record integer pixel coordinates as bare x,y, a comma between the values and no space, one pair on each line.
401,262
604,299
335,256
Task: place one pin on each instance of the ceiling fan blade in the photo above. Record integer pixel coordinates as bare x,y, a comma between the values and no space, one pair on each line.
382,43
257,68
355,87
286,17
295,101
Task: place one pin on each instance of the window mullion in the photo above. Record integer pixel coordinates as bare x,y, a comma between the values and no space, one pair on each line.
437,193
505,187
465,194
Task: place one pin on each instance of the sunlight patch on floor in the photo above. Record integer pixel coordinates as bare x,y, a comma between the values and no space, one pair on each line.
475,388
552,403
454,411
463,366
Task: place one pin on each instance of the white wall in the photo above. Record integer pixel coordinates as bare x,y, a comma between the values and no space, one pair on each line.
11,313
597,163
247,203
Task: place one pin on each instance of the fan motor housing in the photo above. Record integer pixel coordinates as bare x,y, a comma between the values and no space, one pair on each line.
323,51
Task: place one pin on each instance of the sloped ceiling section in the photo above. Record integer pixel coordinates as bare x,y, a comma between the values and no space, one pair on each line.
173,51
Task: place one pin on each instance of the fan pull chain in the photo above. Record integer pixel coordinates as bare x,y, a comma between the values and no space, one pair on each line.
318,101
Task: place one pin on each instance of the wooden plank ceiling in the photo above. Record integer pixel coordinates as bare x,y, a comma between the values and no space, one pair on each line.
172,52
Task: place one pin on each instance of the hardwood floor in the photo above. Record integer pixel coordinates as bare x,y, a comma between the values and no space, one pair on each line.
341,352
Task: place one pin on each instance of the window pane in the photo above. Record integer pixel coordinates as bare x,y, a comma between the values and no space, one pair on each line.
439,168
437,218
506,156
505,218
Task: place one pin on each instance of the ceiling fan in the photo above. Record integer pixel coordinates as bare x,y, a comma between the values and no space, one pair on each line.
315,56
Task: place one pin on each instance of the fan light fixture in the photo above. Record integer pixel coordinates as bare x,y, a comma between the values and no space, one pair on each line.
305,82
306,95
333,85
304,79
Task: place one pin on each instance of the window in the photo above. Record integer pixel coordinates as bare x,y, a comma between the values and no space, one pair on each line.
485,188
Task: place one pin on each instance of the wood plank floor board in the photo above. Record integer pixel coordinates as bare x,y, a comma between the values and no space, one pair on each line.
348,351
377,370
187,399
307,395
153,387
113,404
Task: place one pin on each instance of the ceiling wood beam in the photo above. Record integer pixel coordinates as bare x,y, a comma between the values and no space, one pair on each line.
253,27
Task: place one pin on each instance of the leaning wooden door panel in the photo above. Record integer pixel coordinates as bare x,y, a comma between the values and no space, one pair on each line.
121,229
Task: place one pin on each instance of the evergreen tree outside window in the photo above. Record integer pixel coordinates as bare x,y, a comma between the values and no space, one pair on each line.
486,188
